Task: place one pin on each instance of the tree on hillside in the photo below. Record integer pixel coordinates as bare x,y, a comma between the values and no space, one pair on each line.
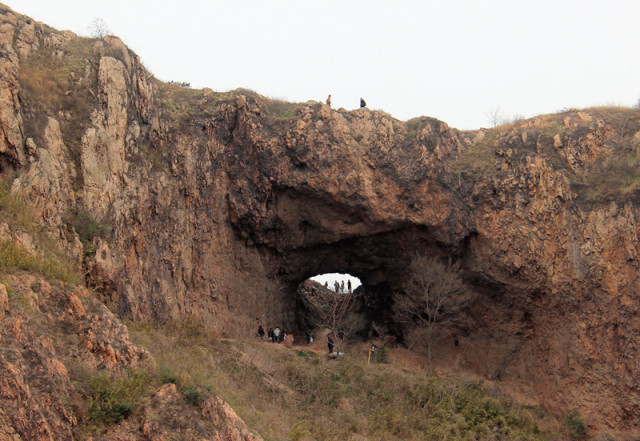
98,28
433,292
331,310
494,116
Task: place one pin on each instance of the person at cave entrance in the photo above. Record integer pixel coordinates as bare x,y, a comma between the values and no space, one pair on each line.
330,343
276,335
261,332
342,287
336,286
349,285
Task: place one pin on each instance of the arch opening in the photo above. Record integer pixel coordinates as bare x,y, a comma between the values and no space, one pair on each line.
338,282
332,305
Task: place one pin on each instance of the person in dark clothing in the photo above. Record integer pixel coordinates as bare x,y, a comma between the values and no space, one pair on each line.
270,335
349,285
261,332
363,103
330,344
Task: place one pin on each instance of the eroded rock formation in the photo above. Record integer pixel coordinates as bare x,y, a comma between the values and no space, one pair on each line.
220,204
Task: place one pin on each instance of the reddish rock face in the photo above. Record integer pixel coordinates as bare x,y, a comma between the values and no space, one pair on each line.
219,205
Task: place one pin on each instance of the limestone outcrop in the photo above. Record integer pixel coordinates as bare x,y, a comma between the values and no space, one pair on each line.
220,204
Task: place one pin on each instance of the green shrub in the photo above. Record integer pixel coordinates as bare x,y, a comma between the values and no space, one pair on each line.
88,229
412,130
192,395
168,377
113,398
577,428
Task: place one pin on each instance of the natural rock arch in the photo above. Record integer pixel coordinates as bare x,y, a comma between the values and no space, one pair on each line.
221,210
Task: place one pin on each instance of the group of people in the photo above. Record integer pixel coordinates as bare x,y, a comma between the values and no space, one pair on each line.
276,335
362,102
339,287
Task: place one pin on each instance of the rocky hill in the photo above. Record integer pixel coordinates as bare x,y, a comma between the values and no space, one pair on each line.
193,203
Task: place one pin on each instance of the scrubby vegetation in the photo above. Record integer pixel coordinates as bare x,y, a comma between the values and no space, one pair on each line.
14,257
606,167
15,212
577,428
59,85
299,394
281,109
113,398
88,229
46,259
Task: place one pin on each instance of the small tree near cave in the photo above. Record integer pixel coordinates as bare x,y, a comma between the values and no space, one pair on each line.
345,328
328,313
433,292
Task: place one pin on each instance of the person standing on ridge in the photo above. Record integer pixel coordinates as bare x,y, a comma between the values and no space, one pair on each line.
329,101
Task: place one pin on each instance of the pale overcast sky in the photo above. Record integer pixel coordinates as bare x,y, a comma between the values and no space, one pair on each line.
452,60
331,278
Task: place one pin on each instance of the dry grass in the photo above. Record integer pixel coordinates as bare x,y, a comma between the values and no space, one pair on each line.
53,86
13,257
478,160
49,260
281,109
298,394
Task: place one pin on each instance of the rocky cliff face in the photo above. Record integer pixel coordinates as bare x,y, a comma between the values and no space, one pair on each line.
51,339
219,204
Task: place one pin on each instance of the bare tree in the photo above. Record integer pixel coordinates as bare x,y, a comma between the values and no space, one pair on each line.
620,124
494,116
345,329
98,28
433,292
329,309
